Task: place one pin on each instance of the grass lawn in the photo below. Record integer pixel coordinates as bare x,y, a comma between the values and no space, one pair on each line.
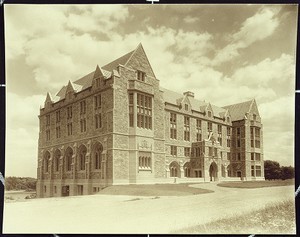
257,184
153,190
276,218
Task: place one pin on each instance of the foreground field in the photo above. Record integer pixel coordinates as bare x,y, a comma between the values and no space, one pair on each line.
136,214
154,190
278,218
257,184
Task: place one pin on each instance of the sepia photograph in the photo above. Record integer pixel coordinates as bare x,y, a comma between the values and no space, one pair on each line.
150,118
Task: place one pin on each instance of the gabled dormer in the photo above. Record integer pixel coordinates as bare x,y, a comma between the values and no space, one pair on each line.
227,117
49,100
70,90
253,112
98,75
185,103
209,111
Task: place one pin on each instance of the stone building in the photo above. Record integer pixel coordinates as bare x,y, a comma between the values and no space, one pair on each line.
116,125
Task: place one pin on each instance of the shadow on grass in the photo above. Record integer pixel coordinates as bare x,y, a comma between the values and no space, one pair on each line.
257,184
154,190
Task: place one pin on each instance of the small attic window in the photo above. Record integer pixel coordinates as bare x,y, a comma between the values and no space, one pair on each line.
228,119
141,76
254,117
97,82
209,113
186,107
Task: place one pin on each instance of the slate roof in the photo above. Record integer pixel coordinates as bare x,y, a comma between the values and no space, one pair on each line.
175,98
114,64
238,111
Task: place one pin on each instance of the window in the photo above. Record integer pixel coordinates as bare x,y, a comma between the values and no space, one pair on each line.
55,191
228,142
97,101
238,142
144,111
257,156
69,162
238,132
58,132
97,161
220,140
82,160
45,188
228,131
70,129
254,117
174,150
252,136
46,162
186,128
228,119
209,113
228,155
257,137
252,171
145,161
252,156
209,126
98,82
258,170
219,129
210,151
82,107
199,137
98,122
131,114
173,126
239,156
56,164
83,125
141,76
186,107
48,135
58,116
48,120
187,151
69,112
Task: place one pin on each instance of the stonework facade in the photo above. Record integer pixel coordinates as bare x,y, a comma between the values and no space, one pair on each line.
116,125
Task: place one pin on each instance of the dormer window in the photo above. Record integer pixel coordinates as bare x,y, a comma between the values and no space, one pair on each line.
254,117
209,113
141,76
228,119
97,82
186,107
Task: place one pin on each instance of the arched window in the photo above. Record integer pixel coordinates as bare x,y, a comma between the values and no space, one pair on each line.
187,170
82,154
46,162
57,155
68,159
97,154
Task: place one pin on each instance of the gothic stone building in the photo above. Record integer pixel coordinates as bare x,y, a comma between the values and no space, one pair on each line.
116,125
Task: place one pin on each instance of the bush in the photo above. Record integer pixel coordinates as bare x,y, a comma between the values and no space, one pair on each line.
273,170
20,183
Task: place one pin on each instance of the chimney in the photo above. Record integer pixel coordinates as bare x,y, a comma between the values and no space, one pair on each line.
189,94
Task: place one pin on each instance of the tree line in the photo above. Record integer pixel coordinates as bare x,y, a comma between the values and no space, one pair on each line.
273,170
20,183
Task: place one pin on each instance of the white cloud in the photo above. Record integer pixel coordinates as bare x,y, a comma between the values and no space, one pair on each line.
190,19
255,28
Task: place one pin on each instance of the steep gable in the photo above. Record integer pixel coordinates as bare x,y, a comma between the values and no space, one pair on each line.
254,108
238,111
138,60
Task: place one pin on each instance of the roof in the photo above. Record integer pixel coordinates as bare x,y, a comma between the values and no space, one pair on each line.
238,111
114,64
173,97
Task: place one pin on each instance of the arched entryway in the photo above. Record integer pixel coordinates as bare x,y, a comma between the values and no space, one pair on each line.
213,171
174,169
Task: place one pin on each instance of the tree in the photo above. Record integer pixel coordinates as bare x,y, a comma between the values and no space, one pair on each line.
272,170
287,172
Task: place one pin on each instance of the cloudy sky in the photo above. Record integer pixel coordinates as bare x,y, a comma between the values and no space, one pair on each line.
224,53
